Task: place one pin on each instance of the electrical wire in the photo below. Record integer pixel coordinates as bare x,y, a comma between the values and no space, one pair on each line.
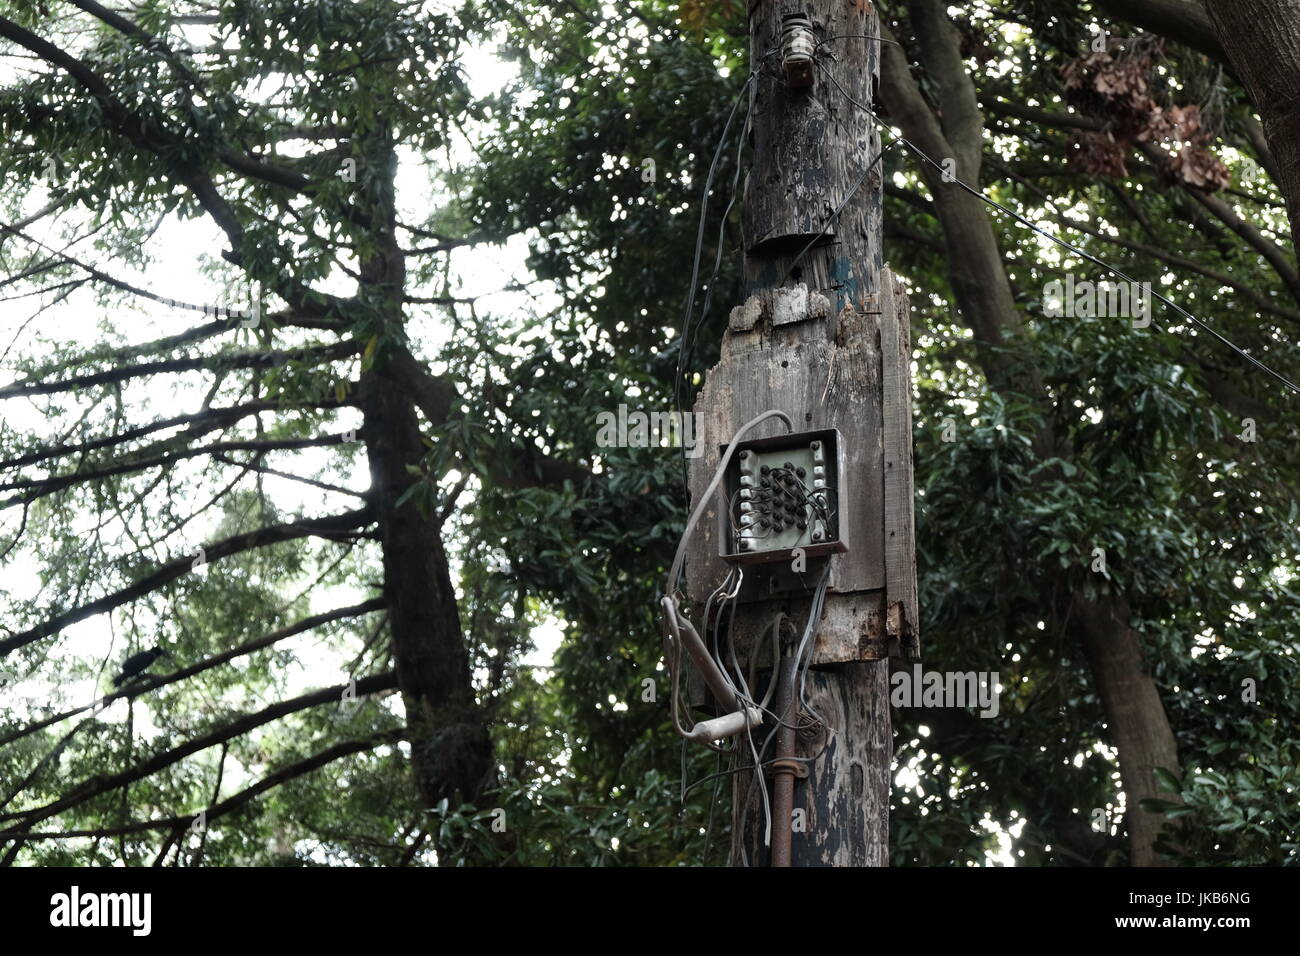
798,672
689,306
688,330
721,600
675,572
814,619
866,171
687,344
807,644
713,801
729,603
775,628
725,593
673,654
1095,260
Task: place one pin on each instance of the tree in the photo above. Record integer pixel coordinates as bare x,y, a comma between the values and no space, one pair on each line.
140,119
304,138
1082,433
1262,41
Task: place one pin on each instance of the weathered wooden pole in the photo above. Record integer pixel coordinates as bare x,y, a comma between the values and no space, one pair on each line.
822,336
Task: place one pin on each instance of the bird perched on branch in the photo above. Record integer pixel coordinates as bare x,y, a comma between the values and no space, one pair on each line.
137,664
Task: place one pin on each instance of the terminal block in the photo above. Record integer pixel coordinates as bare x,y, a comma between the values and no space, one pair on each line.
782,494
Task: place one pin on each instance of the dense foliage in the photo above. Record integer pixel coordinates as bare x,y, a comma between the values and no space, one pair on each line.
595,155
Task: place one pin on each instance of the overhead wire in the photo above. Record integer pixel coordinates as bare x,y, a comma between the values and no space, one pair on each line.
1066,244
835,214
688,331
689,335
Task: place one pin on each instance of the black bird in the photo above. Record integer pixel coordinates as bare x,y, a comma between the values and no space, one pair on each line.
137,664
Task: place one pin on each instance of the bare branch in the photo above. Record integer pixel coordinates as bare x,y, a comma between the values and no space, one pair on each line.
317,353
230,804
200,423
264,470
39,488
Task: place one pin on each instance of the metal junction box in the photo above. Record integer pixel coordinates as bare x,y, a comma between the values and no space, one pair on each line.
782,493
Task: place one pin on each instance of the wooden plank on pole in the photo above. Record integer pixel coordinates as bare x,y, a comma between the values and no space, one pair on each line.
902,622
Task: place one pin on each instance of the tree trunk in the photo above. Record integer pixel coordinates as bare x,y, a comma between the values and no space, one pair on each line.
451,750
975,266
1138,723
1262,38
1139,727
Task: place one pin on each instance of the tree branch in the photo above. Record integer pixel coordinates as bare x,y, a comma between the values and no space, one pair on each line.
200,423
172,570
39,488
148,684
317,353
145,135
232,803
97,786
1184,21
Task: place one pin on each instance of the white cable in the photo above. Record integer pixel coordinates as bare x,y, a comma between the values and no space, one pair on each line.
675,573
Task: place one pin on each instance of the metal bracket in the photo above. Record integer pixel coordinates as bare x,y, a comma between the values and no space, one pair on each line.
788,765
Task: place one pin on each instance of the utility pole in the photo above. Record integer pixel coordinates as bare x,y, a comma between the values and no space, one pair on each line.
822,337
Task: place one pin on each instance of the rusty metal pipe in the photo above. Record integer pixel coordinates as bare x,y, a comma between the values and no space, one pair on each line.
784,770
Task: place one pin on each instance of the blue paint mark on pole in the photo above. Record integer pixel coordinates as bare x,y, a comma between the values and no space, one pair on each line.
845,282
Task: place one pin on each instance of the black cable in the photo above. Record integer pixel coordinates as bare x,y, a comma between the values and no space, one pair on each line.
689,305
798,672
713,803
689,341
